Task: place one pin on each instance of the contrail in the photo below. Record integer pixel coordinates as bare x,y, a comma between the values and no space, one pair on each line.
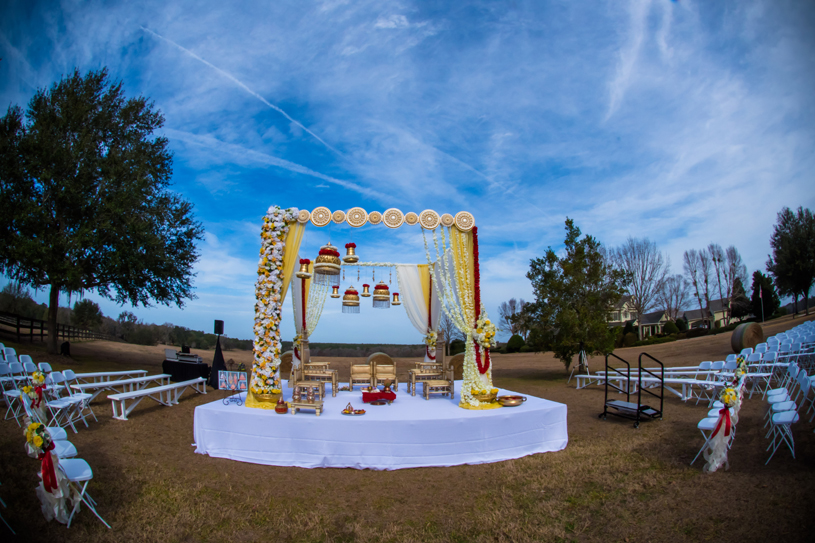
263,158
240,84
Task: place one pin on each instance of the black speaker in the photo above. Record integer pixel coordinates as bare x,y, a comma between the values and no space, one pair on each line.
219,328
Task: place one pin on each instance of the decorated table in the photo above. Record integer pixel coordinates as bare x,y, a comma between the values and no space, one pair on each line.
412,432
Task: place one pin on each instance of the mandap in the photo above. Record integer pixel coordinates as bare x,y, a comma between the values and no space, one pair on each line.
447,282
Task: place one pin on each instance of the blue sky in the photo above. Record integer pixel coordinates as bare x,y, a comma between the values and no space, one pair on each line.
687,122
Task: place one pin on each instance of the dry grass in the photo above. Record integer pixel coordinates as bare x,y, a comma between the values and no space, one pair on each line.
612,482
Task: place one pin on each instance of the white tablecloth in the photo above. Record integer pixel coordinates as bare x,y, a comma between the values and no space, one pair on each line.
411,432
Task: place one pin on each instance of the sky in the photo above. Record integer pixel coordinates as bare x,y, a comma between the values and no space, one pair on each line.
686,122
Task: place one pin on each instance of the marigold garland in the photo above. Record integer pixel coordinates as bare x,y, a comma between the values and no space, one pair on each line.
268,307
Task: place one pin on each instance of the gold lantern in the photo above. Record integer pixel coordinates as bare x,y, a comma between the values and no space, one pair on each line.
350,256
335,291
396,299
382,296
327,267
365,292
350,301
303,272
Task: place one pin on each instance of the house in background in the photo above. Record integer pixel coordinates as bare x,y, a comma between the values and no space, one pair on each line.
622,312
651,323
715,312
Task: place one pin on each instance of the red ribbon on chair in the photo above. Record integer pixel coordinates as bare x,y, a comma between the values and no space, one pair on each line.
724,417
38,390
49,476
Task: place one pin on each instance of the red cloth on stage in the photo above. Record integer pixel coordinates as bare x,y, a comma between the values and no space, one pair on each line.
373,396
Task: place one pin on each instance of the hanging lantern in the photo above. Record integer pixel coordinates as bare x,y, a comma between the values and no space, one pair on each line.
335,291
350,301
396,299
327,266
365,292
303,272
350,256
382,296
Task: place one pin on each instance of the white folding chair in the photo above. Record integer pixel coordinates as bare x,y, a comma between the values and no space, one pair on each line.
62,409
8,351
704,391
79,473
730,357
45,367
706,426
84,397
11,394
746,351
731,365
28,366
761,348
17,371
57,432
781,431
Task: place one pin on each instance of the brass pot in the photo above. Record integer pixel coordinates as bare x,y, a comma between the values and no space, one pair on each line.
485,398
511,401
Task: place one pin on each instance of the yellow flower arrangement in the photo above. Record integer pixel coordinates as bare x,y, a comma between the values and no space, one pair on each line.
485,332
728,396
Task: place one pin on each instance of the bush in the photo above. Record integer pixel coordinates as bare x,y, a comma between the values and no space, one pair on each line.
682,324
696,332
780,312
630,339
527,349
515,343
670,328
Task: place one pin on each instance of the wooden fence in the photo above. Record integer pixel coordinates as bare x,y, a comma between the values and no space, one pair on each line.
28,328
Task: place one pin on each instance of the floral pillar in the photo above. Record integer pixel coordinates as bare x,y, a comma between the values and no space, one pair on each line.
269,301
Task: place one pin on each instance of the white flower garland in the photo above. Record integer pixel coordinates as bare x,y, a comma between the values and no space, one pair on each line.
473,381
269,293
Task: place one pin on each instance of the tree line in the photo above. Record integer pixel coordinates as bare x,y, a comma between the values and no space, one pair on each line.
575,293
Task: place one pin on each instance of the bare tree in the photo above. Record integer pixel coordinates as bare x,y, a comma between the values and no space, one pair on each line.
691,266
706,278
449,330
509,311
717,257
645,268
734,269
674,295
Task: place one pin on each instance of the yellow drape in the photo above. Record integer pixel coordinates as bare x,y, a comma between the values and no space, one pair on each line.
424,278
290,255
462,244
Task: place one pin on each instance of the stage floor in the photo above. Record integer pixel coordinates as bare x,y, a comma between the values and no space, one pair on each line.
411,432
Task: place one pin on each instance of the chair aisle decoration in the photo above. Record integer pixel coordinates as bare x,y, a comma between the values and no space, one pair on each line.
54,492
717,445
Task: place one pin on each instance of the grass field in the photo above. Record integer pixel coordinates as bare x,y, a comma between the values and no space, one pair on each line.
611,483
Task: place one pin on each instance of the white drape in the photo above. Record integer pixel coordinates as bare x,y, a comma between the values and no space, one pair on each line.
413,299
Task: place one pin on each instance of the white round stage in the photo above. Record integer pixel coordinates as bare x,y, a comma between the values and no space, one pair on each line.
409,433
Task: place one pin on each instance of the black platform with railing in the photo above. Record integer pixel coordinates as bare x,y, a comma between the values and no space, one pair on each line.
628,409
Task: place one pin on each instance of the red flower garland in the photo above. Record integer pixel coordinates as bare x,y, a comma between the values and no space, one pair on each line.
350,291
366,285
482,369
348,245
330,252
305,261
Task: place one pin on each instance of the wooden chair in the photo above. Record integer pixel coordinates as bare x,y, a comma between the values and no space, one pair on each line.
285,366
361,374
456,363
383,370
444,386
424,371
320,371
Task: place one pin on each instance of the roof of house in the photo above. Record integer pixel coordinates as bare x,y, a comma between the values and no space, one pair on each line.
653,317
716,306
622,301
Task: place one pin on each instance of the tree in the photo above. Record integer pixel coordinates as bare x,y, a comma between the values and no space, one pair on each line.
740,305
515,343
673,295
84,188
16,298
792,263
764,295
127,324
86,314
450,331
508,311
691,266
573,296
645,268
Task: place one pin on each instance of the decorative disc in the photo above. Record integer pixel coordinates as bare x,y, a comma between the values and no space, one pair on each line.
356,217
429,219
320,216
375,217
411,218
393,218
338,216
447,220
464,221
304,216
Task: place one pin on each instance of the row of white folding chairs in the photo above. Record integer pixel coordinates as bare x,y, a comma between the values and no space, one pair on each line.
708,424
784,405
65,406
76,470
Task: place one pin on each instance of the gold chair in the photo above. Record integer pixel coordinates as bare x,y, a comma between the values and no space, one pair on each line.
456,363
444,386
424,371
383,369
361,374
320,371
285,366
